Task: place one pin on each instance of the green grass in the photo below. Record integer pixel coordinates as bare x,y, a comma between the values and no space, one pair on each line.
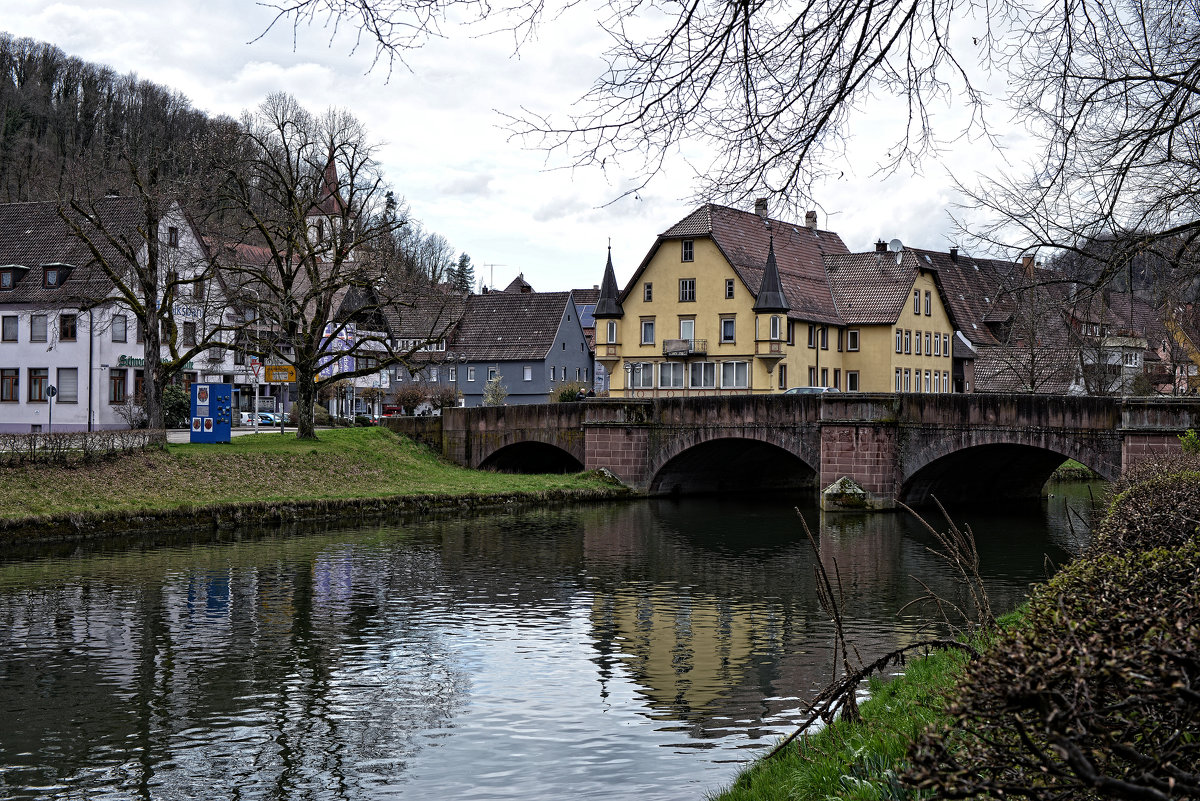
342,464
860,761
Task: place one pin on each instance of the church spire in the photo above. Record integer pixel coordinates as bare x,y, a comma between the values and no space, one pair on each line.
608,305
770,292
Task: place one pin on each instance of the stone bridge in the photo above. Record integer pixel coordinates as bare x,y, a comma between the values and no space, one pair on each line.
911,448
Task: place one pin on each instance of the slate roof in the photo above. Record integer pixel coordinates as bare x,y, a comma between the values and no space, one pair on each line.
744,239
33,235
510,326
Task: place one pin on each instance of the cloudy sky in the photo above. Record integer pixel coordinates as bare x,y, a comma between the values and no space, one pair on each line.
445,151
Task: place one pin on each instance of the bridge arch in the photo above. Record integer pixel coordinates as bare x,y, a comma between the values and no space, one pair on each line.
714,461
531,456
993,465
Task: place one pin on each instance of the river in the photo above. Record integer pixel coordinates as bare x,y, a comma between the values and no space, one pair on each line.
637,650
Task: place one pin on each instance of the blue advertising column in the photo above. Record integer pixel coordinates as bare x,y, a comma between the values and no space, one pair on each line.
212,412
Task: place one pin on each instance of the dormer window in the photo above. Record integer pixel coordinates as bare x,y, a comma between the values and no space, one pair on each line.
8,279
173,236
52,277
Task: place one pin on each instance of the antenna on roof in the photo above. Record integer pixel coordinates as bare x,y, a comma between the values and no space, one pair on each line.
897,247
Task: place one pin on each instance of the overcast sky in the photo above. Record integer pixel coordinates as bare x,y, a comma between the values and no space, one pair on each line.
444,148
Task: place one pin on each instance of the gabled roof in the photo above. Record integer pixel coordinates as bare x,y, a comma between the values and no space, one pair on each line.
744,239
510,326
519,284
33,235
425,313
870,288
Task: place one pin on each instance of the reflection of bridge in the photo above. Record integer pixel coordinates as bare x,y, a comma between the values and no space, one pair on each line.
896,447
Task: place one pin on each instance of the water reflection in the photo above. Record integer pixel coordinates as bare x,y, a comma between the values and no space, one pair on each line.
594,652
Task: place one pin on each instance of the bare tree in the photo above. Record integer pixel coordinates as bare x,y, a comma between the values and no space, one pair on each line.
308,210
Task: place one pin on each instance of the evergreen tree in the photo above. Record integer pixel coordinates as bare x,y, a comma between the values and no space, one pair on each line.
464,274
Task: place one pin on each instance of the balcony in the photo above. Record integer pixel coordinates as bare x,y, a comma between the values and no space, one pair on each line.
682,348
767,348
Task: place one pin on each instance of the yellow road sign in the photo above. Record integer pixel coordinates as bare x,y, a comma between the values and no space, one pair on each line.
279,374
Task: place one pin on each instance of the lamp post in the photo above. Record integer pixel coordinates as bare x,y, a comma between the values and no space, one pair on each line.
628,378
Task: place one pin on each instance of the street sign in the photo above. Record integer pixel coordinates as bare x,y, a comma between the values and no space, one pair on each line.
279,374
51,391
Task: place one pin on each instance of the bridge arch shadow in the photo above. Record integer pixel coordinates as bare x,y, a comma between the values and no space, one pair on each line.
531,457
732,465
985,474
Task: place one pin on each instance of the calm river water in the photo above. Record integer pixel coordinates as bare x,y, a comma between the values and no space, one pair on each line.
642,650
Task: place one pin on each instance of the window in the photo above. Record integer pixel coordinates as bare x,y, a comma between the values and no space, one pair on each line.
7,279
551,375
946,345
139,385
577,374
791,332
527,373
734,375
937,345
916,301
908,342
783,376
189,333
928,352
172,236
899,341
907,380
641,375
433,371
899,380
839,332
927,381
918,338
689,251
647,292
493,373
812,376
852,339
824,376
703,375
116,385
728,288
647,332
68,385
824,337
563,373
837,378
928,303
687,329
141,337
120,324
812,336
8,328
39,378
945,381
670,375
687,290
51,277
728,330
198,289
452,374
612,332
852,381
10,384
37,328
775,332
66,327
470,373
937,381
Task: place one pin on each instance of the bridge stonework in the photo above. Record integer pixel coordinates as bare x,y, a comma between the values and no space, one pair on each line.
895,447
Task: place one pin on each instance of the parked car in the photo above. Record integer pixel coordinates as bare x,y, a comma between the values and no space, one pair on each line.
809,390
267,419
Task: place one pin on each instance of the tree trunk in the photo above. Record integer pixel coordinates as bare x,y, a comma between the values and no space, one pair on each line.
306,389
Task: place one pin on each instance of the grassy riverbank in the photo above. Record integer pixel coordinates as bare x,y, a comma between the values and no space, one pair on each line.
345,464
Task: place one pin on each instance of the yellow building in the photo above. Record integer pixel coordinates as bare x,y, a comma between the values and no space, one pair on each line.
733,302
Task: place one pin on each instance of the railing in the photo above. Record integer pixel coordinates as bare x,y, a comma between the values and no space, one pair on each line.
685,347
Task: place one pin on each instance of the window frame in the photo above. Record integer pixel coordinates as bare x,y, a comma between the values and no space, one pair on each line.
10,384
730,321
729,287
527,372
611,332
10,323
674,368
39,379
65,320
917,302
641,376
687,251
45,323
734,366
852,378
928,303
63,396
709,373
687,290
118,391
852,340
647,325
648,292
908,341
124,327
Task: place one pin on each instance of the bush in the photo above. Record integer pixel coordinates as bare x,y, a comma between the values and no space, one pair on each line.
1097,694
362,421
1156,505
176,406
1190,441
494,392
321,415
443,397
409,398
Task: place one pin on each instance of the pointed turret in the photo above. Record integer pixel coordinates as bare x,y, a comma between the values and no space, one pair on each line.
607,306
770,292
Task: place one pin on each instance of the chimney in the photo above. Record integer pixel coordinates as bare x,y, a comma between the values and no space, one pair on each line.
760,207
1027,266
596,286
954,255
881,246
810,219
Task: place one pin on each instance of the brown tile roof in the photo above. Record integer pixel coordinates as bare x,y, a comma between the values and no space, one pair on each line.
870,288
33,235
744,238
1002,368
585,296
507,326
425,313
519,284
